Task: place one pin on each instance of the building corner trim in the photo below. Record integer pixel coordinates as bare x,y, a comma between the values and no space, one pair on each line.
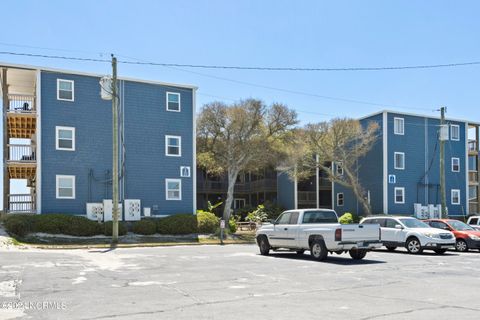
385,161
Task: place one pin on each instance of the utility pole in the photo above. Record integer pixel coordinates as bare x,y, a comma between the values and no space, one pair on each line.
115,152
443,136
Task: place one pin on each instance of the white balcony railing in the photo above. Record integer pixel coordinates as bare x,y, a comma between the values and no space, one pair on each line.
21,153
21,103
21,203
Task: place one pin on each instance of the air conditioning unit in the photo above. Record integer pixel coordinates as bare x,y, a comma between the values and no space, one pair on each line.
108,210
95,211
132,209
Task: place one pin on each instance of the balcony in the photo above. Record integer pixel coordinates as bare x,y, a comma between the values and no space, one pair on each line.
261,185
21,161
472,147
473,207
21,116
21,203
473,177
307,197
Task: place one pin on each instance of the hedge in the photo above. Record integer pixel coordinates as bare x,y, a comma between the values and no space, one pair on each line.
207,222
177,224
145,227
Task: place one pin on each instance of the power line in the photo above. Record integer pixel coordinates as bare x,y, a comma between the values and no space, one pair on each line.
257,68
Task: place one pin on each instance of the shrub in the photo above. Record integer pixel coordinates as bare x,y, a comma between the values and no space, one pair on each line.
108,226
18,224
145,227
232,225
259,215
207,222
177,224
346,218
66,224
273,210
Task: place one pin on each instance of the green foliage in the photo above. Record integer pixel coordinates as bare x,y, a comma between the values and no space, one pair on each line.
145,227
211,207
177,224
258,215
108,226
346,218
232,225
207,222
18,224
272,210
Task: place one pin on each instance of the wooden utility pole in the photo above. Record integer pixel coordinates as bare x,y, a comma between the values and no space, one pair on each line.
443,136
115,152
6,178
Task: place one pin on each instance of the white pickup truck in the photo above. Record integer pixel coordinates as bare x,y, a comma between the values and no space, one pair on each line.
319,231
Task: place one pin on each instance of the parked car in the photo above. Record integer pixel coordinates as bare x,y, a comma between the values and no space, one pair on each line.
474,222
319,231
412,234
466,236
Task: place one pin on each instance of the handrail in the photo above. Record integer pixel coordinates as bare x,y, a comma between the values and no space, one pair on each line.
21,103
21,152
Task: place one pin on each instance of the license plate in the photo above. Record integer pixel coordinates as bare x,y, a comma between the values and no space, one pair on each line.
360,244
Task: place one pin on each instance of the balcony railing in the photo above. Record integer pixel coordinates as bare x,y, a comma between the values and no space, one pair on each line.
307,196
252,186
21,103
472,146
21,153
473,207
21,203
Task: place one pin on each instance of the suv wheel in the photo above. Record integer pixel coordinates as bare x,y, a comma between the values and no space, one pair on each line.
461,246
318,250
414,246
264,246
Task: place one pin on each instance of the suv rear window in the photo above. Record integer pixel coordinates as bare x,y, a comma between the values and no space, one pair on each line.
320,217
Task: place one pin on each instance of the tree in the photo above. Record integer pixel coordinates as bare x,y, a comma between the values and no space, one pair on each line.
339,142
240,137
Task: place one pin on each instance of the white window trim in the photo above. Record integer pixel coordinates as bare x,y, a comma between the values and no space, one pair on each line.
240,200
73,90
58,177
179,102
57,129
395,127
395,195
179,146
395,162
458,131
451,196
458,159
338,198
339,166
180,189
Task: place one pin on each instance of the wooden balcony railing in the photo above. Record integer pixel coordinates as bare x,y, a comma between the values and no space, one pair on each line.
472,146
21,103
21,203
473,177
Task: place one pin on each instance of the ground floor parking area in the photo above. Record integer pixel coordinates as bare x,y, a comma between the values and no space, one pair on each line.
235,282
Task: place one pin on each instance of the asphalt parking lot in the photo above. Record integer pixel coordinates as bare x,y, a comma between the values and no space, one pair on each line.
235,282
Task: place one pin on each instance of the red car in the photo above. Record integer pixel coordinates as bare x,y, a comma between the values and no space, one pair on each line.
467,237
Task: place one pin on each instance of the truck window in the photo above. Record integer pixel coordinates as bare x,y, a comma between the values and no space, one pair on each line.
284,218
294,218
320,217
474,221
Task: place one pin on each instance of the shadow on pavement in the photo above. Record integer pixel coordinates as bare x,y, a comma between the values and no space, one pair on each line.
424,253
343,259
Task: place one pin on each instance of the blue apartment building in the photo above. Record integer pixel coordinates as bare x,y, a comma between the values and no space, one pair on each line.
401,171
58,142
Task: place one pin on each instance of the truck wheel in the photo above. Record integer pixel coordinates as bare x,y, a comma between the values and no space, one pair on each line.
318,250
390,248
300,252
264,246
357,254
440,251
461,246
414,246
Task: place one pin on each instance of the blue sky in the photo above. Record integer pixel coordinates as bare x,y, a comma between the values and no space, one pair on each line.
269,33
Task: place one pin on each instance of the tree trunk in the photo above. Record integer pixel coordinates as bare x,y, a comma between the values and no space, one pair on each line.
358,191
232,178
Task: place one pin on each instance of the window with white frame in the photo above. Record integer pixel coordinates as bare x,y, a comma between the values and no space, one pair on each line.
340,168
455,165
340,199
455,132
65,90
399,195
173,101
238,203
65,187
399,126
399,161
65,138
173,146
173,189
455,196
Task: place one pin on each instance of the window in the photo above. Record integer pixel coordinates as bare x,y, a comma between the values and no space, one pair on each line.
455,165
455,196
65,187
455,132
400,195
320,216
399,161
390,223
284,218
438,225
294,218
65,90
65,138
173,101
399,126
340,199
472,193
238,203
173,189
173,146
340,168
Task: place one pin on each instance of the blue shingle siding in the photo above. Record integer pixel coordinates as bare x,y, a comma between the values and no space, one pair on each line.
146,122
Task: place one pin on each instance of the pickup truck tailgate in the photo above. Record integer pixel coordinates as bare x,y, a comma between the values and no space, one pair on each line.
363,232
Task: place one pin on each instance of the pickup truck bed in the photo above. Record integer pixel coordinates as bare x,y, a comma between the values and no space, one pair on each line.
317,230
